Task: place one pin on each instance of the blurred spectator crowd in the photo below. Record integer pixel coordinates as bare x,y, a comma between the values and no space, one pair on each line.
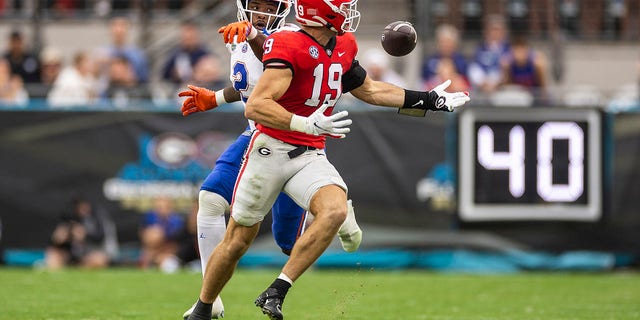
117,73
78,8
86,236
504,69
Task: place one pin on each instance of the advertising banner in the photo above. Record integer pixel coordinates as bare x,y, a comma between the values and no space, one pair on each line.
122,160
401,173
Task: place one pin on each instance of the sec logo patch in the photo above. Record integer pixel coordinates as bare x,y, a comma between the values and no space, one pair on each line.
314,52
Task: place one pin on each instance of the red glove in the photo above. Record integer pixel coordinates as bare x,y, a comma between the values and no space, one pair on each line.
199,100
242,30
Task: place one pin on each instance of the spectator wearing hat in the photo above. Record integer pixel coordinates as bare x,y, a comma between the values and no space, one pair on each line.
51,63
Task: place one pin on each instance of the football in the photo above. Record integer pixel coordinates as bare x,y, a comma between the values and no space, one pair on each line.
399,38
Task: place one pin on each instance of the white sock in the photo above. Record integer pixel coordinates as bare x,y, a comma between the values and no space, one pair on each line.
350,225
285,278
211,223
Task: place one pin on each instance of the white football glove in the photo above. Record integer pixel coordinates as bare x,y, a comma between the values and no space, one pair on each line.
318,124
447,100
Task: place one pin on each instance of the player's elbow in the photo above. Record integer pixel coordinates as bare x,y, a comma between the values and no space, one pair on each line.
250,110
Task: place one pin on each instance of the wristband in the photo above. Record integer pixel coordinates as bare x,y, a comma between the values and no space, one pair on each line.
416,103
252,34
419,99
298,123
220,97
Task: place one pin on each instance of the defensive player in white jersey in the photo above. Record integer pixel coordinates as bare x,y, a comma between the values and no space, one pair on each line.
244,42
305,74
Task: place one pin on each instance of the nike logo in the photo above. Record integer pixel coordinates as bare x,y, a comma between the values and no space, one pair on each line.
315,124
419,103
340,54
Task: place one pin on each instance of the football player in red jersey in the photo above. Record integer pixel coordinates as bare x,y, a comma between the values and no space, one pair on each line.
305,74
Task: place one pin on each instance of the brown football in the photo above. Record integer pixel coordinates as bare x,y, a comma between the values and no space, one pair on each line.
399,38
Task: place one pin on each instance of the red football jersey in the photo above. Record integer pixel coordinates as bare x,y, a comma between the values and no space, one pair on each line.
317,76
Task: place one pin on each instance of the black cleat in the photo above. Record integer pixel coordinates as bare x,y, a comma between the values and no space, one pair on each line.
271,303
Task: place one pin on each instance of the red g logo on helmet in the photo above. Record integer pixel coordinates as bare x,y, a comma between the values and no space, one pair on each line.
338,15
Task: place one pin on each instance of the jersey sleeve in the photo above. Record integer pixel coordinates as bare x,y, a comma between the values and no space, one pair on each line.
277,54
351,42
355,75
353,78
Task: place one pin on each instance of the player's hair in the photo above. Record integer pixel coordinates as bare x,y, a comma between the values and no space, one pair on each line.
276,20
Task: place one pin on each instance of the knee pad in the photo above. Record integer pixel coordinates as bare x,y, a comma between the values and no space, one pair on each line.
211,204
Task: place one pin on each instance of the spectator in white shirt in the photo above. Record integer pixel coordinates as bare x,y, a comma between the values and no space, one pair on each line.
76,85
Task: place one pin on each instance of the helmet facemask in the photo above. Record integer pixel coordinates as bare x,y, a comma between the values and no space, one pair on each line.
352,16
275,20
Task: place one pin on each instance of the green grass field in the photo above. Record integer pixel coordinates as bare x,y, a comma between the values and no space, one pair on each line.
349,294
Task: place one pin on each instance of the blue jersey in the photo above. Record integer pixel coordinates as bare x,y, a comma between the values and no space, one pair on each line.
172,225
430,66
488,57
525,75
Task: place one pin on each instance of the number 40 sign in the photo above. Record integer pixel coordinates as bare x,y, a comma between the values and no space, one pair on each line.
530,164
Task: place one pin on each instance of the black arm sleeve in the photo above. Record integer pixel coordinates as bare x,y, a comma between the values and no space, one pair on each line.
354,77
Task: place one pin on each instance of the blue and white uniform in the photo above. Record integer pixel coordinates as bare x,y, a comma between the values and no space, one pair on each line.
288,217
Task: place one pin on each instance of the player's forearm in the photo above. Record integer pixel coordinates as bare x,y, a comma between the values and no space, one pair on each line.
256,45
262,106
380,94
268,112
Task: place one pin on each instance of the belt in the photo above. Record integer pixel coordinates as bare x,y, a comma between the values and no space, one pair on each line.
299,150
